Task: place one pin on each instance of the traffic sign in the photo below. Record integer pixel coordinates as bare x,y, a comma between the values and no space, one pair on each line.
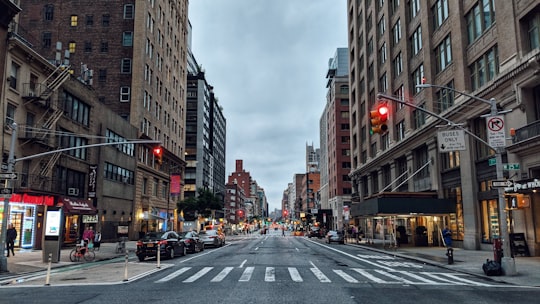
12,175
492,161
502,184
451,140
495,131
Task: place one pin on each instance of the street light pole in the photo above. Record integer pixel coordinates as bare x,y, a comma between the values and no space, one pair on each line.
9,185
507,262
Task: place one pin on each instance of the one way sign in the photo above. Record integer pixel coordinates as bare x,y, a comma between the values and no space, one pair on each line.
502,184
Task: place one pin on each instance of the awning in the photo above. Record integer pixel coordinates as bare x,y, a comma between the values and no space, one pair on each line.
403,205
76,206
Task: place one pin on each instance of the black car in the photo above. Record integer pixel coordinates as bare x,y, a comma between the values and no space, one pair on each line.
192,241
314,232
168,243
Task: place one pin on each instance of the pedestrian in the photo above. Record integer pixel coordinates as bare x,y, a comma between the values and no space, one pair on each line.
282,230
97,240
11,235
88,235
447,236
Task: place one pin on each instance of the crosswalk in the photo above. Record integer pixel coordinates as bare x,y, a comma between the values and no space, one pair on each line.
313,275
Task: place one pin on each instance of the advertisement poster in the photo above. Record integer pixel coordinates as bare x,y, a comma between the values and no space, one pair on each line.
52,226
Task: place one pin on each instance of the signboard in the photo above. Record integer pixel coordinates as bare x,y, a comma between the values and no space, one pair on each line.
495,131
12,175
6,192
510,166
502,184
52,223
451,140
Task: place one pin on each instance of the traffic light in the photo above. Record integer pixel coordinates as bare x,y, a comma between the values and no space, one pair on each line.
285,213
158,154
378,118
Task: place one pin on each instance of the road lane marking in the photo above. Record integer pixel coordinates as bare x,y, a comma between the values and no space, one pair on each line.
345,276
198,275
270,274
393,276
222,274
173,275
369,276
295,275
242,264
456,277
415,276
246,275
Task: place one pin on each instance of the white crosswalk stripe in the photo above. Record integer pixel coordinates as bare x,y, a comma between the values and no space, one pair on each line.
348,275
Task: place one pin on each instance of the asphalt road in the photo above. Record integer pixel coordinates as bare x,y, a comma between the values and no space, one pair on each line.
275,269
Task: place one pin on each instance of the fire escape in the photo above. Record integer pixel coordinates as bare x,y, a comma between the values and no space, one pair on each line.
42,95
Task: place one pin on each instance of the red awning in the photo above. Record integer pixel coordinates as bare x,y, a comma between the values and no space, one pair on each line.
76,206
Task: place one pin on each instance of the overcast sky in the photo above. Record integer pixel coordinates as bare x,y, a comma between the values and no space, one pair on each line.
267,61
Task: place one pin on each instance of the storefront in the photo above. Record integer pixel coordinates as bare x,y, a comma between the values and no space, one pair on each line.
78,213
23,214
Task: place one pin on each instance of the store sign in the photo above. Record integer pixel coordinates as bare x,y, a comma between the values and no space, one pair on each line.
90,218
524,185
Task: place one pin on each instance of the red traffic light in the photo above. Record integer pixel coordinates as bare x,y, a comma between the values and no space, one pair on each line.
378,118
158,154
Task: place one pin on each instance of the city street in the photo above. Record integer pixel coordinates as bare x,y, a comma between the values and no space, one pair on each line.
275,269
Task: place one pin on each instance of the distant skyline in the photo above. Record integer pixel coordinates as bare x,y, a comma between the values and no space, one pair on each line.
267,62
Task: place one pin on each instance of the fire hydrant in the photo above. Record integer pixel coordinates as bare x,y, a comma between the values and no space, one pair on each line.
450,255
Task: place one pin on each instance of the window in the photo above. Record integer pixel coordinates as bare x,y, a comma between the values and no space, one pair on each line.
370,46
155,184
127,148
417,76
445,98
87,46
414,7
89,20
480,18
394,6
46,40
398,65
102,75
381,27
104,47
450,160
443,54
400,130
439,12
396,32
128,11
125,93
72,46
10,114
416,41
125,66
116,173
382,54
76,109
106,20
74,141
127,39
49,12
533,31
13,75
485,68
383,83
74,19
419,117
344,114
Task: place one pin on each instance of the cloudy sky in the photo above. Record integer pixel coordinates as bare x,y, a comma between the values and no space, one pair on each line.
267,61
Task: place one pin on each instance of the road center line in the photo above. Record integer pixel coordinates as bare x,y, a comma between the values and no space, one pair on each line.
242,265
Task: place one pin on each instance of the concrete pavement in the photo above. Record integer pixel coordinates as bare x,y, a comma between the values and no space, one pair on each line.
27,268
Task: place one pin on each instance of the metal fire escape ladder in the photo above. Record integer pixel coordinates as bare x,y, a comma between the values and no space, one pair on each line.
51,86
40,173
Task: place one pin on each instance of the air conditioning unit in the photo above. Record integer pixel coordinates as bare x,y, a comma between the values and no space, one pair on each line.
73,191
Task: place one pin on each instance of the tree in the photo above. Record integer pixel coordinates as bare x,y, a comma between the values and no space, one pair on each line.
202,204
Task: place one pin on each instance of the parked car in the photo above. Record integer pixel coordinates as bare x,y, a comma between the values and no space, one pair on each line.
212,238
335,236
168,244
192,241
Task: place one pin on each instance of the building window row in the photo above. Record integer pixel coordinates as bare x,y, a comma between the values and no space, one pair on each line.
485,68
126,148
76,109
116,173
479,19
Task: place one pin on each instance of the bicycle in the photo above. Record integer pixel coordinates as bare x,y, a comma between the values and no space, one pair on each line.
82,251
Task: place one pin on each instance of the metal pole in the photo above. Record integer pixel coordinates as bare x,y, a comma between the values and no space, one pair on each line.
5,218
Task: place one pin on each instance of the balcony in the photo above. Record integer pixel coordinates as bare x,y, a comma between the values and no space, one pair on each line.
525,140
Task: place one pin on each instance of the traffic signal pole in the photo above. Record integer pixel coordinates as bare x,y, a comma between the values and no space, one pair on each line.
9,182
507,262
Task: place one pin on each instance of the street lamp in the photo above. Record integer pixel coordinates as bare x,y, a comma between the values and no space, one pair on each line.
507,262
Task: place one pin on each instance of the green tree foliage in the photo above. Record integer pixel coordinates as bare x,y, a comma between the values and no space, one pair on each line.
203,204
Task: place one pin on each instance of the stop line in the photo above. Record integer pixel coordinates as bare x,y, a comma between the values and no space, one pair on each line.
299,275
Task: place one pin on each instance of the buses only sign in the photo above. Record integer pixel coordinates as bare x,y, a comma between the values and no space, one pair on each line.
451,140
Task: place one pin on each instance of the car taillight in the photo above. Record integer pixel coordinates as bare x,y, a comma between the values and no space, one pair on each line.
162,243
139,243
213,237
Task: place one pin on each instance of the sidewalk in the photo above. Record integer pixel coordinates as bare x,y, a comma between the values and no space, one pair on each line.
465,261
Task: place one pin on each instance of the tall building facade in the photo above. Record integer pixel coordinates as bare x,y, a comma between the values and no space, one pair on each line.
337,130
134,54
401,179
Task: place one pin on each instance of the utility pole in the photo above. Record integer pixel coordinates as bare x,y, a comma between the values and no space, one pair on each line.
507,262
9,182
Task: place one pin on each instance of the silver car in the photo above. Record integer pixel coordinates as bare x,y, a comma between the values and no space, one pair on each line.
212,238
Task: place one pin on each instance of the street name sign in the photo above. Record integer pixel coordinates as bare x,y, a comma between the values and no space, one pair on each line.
510,166
12,175
502,183
451,140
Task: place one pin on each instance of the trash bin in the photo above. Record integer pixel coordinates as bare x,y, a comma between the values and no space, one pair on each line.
497,250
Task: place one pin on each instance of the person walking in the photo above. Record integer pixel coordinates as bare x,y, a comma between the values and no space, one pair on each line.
97,240
447,236
11,235
88,235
